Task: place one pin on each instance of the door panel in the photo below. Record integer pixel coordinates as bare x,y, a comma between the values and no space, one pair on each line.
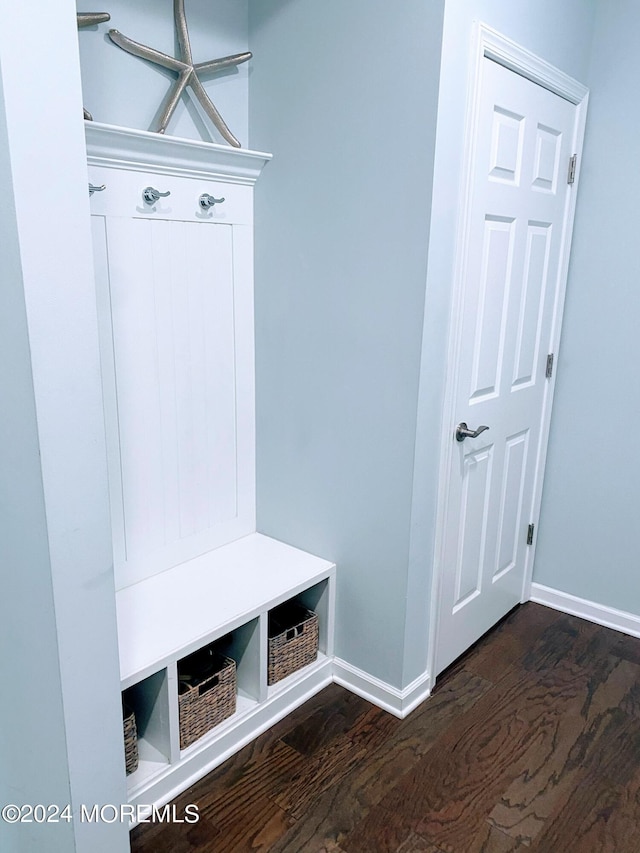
473,524
532,303
492,308
512,493
518,210
506,146
547,159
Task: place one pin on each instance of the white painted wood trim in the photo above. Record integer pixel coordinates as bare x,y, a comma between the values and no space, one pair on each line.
125,148
186,767
400,703
488,43
554,343
170,614
609,617
506,52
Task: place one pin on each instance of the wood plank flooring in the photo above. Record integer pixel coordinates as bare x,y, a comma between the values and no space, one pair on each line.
530,742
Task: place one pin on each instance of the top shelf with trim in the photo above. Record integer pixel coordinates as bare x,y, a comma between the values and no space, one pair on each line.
124,147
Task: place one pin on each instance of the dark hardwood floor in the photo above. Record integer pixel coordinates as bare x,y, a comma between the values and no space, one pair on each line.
530,742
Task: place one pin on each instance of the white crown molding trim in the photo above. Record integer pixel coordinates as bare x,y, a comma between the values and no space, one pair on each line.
609,617
400,703
506,52
141,150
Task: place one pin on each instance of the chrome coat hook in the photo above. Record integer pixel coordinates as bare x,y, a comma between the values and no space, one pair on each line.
207,201
151,195
99,189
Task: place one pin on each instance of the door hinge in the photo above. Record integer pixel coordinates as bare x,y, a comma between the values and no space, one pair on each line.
571,176
549,370
530,530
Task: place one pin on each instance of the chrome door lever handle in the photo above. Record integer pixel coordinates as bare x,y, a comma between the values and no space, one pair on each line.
151,195
463,431
93,189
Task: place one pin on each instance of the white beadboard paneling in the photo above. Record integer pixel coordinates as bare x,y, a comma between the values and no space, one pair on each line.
204,355
179,395
175,304
135,250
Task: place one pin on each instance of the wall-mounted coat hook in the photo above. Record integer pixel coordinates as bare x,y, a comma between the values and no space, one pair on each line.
207,201
99,189
151,195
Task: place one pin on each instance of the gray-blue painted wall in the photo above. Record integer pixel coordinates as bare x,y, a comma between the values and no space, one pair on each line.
349,228
587,541
350,225
125,90
345,95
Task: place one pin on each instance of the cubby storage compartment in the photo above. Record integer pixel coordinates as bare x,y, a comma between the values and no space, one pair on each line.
306,620
221,600
243,646
130,733
148,703
206,692
293,639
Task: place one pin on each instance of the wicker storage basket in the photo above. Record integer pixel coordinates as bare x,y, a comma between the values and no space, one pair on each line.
130,739
293,640
207,693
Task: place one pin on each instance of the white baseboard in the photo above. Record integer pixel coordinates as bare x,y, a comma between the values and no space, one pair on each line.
619,620
400,703
171,780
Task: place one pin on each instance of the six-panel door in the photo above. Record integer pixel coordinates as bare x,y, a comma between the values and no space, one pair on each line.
513,249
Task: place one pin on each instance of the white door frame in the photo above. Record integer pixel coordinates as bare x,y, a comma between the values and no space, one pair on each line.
487,43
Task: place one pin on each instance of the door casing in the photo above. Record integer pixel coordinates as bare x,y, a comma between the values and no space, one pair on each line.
489,44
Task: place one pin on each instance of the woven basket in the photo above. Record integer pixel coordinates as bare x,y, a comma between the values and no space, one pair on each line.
207,693
130,739
293,640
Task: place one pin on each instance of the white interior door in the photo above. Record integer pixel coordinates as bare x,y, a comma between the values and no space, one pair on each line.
519,213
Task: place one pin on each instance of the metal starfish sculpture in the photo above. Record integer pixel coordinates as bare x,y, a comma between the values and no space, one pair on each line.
188,72
88,19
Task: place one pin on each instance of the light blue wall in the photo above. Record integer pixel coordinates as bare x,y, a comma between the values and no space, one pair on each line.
587,541
125,90
344,95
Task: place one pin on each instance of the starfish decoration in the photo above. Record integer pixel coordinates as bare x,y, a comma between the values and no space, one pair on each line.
187,72
88,19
